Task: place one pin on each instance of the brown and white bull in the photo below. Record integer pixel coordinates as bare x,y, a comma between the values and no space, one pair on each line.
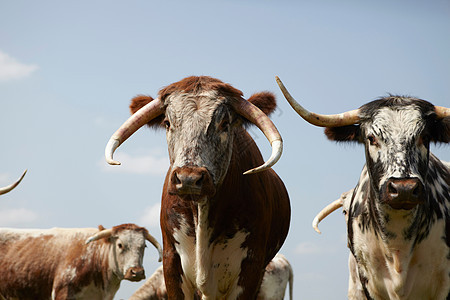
220,228
398,222
277,276
10,187
70,263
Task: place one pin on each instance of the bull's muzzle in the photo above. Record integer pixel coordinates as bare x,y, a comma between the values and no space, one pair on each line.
191,181
403,193
135,274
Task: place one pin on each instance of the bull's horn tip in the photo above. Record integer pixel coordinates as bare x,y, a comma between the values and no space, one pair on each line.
315,225
113,162
249,172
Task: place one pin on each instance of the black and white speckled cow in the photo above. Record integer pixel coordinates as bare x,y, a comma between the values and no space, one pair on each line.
398,215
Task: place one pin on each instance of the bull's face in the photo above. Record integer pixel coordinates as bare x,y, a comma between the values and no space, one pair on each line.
199,131
396,140
128,251
396,132
201,116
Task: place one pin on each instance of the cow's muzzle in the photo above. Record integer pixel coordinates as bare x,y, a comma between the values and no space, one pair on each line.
191,182
403,193
135,274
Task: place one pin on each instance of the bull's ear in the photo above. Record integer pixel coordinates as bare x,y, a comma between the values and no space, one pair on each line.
441,131
350,133
140,101
265,101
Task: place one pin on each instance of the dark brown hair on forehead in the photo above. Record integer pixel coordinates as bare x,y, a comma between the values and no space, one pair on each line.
197,84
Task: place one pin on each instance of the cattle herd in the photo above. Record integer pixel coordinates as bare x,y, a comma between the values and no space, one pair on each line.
225,213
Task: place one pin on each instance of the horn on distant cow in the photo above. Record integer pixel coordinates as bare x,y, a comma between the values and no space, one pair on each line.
260,119
325,212
155,243
442,112
8,188
343,119
100,235
136,121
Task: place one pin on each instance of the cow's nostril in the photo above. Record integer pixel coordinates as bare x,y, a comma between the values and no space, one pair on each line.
392,189
175,179
199,181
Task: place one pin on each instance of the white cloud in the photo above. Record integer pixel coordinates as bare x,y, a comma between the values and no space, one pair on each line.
150,217
154,164
16,216
10,68
309,248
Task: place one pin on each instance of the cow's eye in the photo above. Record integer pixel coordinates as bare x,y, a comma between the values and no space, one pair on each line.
166,124
372,140
120,245
424,140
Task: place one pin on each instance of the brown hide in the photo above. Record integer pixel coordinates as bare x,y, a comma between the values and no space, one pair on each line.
258,203
30,267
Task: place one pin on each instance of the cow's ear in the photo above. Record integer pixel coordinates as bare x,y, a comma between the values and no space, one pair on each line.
140,101
350,133
265,101
441,131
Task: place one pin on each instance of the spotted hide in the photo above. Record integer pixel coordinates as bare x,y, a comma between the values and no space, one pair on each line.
63,263
220,228
398,214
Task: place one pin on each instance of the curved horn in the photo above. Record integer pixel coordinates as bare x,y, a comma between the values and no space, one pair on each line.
325,212
442,112
260,119
155,243
100,235
8,188
343,119
136,121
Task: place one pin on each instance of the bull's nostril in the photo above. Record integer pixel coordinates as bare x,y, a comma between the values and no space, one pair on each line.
199,181
417,190
392,189
176,180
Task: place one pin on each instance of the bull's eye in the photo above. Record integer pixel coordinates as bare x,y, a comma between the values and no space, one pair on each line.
166,124
120,245
372,140
424,140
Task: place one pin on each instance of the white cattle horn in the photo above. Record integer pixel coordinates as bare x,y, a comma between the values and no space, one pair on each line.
325,212
136,121
343,119
8,188
155,243
100,235
442,112
260,119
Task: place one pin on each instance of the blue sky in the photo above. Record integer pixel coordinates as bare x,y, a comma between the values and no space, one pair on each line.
69,69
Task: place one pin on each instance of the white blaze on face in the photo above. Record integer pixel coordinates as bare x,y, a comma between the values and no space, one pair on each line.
198,132
128,251
394,142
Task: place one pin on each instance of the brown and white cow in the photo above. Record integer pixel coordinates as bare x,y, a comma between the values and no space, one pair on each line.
278,274
10,187
220,228
70,263
398,222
